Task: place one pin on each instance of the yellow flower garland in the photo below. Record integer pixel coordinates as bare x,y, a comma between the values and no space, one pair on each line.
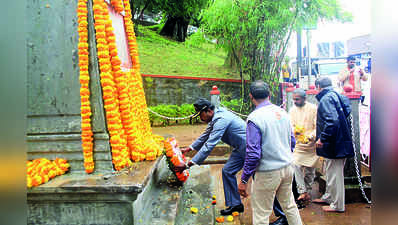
87,134
118,140
123,94
117,5
40,171
151,148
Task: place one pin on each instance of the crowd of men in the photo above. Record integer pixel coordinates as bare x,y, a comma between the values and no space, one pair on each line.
274,147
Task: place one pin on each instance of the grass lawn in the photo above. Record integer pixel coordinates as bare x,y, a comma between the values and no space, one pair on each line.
163,56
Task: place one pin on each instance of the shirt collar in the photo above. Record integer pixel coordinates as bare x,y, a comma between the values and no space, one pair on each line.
264,103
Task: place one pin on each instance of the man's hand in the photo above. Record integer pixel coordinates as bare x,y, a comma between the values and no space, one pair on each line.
186,150
319,144
180,168
242,189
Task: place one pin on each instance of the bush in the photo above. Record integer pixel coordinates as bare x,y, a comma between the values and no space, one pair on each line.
172,111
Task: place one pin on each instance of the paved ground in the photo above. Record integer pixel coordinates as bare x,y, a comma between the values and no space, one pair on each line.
356,214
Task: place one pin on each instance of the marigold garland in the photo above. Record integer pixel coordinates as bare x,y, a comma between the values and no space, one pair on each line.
174,157
299,134
118,140
40,171
117,5
87,134
123,94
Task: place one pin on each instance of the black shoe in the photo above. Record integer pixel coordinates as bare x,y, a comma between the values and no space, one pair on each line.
280,221
231,209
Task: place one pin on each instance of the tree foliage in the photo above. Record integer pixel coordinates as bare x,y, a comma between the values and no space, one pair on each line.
179,14
255,33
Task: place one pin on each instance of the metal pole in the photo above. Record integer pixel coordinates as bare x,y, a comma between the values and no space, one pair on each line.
299,56
309,58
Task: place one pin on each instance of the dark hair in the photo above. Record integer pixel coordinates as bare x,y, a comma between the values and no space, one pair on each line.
349,58
300,92
323,82
259,90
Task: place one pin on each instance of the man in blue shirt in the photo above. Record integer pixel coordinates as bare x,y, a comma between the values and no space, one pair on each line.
230,129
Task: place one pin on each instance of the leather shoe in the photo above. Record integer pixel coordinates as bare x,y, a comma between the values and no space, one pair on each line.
280,221
231,209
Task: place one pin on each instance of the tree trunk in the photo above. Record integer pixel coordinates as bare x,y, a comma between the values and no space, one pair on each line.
175,27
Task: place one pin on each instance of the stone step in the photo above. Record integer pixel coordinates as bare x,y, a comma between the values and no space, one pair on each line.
158,202
197,192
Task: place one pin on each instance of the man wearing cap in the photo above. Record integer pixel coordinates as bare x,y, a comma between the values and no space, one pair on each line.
230,129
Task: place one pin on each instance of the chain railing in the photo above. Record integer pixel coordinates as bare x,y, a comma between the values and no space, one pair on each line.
356,163
236,113
170,118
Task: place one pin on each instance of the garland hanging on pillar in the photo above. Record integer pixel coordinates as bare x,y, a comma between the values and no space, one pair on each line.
123,94
87,134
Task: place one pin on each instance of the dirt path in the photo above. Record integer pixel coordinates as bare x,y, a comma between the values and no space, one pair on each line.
185,134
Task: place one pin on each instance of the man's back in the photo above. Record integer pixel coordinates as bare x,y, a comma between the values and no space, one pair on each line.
276,131
332,125
235,129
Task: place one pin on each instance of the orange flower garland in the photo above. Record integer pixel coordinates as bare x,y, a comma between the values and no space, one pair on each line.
87,134
40,171
117,5
118,141
174,158
151,148
123,94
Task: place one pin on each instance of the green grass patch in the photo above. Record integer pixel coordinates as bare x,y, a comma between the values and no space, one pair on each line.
160,55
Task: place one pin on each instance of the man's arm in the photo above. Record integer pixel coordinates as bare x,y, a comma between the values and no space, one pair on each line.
198,143
331,120
362,75
253,151
219,127
343,75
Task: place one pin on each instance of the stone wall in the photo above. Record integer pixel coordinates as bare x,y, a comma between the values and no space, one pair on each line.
180,90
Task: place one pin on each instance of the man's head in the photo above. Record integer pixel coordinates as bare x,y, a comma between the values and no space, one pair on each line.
259,91
299,97
350,62
204,109
323,82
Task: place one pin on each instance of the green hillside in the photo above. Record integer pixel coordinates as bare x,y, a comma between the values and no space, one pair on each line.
160,55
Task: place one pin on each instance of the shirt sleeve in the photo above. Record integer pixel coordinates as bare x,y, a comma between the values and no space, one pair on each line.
253,151
198,143
215,135
330,118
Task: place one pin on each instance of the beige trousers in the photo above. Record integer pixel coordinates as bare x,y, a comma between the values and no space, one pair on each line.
304,178
335,193
267,185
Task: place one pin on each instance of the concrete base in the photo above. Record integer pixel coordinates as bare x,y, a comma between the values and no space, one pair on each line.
144,195
89,199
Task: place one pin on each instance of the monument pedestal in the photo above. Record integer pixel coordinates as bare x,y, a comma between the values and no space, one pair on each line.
90,199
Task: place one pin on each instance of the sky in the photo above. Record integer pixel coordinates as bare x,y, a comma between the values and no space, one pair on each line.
333,31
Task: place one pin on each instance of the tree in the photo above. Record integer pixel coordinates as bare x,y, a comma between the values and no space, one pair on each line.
255,33
178,16
139,6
